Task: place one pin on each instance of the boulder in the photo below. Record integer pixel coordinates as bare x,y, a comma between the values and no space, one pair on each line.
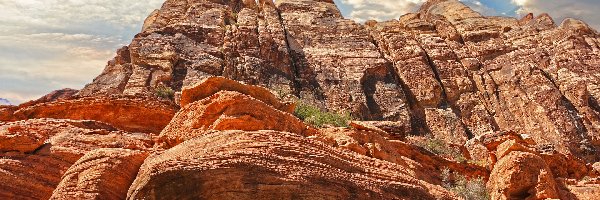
213,85
522,175
272,165
100,174
227,110
26,174
126,113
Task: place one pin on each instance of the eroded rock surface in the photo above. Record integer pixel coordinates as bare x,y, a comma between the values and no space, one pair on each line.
227,110
34,170
272,165
517,97
101,174
126,113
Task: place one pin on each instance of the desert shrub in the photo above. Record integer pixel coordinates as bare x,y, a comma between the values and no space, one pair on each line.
313,115
282,92
469,189
439,147
164,92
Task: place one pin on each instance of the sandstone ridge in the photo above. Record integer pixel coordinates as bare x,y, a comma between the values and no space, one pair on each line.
203,104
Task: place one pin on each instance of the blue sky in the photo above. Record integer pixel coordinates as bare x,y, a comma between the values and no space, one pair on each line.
52,44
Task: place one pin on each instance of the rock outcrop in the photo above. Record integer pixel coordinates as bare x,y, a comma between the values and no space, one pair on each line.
272,165
193,108
87,178
41,151
445,70
229,110
126,113
212,85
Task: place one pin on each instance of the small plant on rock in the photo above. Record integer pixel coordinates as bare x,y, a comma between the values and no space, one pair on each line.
313,115
469,189
164,92
439,147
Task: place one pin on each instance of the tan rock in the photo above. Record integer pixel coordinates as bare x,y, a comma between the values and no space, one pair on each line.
583,192
100,174
522,175
596,168
446,126
339,66
395,129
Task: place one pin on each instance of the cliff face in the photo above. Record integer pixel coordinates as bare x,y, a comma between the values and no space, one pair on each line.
521,95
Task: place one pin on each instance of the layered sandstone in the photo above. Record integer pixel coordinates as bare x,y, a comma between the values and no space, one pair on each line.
126,113
40,151
514,99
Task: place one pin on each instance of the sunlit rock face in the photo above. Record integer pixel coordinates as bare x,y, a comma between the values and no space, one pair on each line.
201,105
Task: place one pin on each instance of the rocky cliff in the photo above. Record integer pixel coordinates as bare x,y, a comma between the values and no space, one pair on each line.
446,103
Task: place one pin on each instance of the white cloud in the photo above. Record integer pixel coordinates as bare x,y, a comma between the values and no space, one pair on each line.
586,10
479,7
380,10
52,44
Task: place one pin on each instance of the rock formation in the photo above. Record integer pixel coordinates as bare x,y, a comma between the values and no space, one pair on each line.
201,106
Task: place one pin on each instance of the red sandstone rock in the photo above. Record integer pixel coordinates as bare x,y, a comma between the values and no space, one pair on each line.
522,175
7,113
422,164
36,174
100,174
519,94
130,114
227,110
213,85
270,164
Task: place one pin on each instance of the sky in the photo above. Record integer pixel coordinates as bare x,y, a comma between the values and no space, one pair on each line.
47,45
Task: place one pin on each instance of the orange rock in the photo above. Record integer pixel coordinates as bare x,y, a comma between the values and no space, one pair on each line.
422,164
522,175
509,146
100,174
129,114
272,165
213,85
227,110
7,113
36,174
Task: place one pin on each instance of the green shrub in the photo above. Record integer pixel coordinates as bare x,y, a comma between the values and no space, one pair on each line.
313,115
473,189
439,147
164,92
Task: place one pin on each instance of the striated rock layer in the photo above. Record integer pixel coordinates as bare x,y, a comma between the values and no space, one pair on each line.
437,95
446,70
